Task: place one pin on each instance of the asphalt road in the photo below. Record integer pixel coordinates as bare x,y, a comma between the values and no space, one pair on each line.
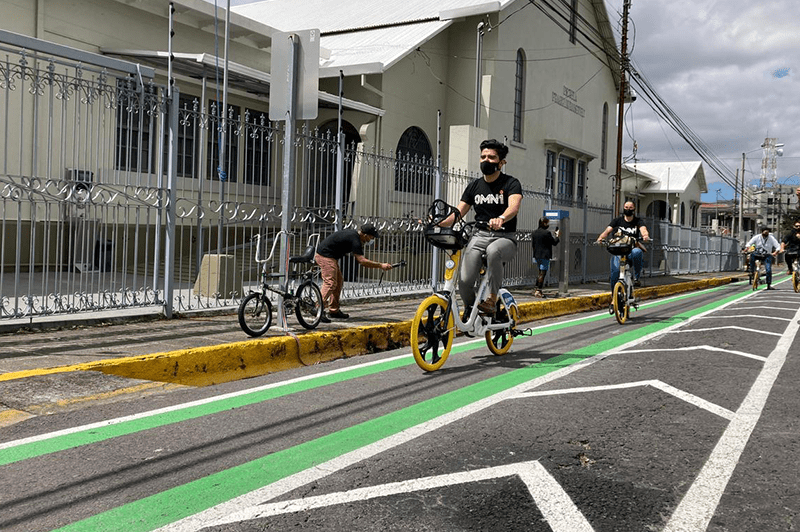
684,419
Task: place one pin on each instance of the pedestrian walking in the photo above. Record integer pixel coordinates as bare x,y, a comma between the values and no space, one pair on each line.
543,241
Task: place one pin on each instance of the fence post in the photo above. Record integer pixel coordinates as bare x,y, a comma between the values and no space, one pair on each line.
172,169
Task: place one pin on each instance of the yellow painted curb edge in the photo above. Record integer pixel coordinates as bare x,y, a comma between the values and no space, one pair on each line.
202,366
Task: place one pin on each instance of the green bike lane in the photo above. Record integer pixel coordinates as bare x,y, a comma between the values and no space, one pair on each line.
181,501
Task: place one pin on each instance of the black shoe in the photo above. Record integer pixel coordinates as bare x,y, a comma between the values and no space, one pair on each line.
637,283
339,315
770,287
324,318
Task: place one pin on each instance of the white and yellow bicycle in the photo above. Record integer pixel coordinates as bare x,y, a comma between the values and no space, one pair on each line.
438,317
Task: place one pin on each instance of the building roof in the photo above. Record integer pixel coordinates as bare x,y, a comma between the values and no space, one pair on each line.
369,37
668,176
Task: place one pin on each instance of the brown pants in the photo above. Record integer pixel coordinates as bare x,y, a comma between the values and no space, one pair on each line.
332,281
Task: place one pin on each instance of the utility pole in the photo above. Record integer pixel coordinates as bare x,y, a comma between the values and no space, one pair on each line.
623,67
741,203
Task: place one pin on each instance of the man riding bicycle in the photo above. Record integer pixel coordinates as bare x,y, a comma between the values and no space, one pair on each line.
496,198
791,245
628,225
764,247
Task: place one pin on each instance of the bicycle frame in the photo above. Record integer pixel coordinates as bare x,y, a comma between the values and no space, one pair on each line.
285,293
477,324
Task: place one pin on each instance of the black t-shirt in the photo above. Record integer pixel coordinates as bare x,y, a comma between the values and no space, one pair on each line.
628,228
490,200
792,241
340,244
543,242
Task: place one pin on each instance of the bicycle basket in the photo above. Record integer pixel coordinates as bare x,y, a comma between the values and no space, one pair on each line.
448,238
444,237
620,245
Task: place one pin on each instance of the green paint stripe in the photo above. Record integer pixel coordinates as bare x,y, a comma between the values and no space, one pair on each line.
68,441
188,499
95,435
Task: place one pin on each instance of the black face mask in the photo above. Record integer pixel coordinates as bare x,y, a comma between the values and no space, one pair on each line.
628,212
488,167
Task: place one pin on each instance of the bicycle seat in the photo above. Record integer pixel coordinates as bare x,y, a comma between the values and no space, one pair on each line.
306,258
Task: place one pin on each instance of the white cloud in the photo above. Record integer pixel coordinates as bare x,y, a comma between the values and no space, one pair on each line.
727,68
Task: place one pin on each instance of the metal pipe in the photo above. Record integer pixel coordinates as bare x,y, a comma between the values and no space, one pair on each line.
478,75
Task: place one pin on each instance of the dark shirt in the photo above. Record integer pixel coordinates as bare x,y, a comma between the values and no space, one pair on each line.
340,244
490,200
543,242
628,228
792,241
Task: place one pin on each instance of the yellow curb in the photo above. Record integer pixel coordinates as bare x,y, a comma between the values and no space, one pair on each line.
215,364
10,417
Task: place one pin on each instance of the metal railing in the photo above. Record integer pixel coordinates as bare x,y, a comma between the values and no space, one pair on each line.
91,218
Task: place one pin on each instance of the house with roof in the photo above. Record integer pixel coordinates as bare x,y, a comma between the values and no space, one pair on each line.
448,74
668,191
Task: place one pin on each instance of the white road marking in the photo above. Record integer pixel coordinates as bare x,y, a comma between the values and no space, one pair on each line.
701,500
698,348
191,404
739,316
664,387
558,509
755,331
276,489
771,307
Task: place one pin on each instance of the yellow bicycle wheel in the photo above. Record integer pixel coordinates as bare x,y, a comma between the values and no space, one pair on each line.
755,279
499,341
619,300
432,333
796,281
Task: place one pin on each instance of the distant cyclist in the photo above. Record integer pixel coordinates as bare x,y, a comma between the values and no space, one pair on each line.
791,245
763,246
629,225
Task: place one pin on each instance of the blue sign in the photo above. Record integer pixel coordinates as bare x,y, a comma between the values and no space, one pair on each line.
556,215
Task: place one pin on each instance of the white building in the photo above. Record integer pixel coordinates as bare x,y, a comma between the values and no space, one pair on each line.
666,190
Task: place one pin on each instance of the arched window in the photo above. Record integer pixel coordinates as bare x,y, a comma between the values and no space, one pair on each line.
414,169
604,138
519,96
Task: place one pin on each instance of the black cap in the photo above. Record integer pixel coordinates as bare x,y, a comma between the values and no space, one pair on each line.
369,229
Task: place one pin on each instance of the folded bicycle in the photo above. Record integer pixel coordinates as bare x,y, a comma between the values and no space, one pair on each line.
302,296
438,317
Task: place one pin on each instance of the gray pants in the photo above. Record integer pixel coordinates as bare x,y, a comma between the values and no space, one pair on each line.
498,250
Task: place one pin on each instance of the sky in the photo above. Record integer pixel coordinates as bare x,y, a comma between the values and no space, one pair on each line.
730,69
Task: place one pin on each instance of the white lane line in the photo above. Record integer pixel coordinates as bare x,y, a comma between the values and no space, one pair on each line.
285,485
739,316
701,500
770,307
558,509
755,331
697,348
664,387
191,404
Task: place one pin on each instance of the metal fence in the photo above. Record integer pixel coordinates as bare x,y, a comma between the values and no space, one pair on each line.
118,193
